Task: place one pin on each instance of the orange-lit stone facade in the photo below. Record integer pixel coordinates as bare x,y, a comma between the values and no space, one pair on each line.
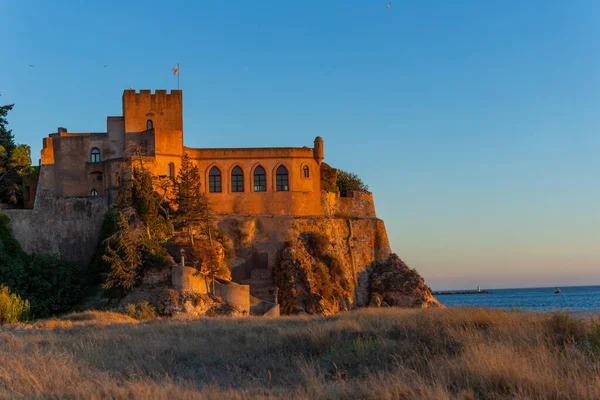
256,181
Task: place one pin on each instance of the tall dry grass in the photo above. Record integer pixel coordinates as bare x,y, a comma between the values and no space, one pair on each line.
374,354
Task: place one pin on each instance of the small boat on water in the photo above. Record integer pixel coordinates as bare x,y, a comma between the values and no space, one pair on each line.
556,290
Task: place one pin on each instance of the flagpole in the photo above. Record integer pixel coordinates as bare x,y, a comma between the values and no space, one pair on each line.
177,76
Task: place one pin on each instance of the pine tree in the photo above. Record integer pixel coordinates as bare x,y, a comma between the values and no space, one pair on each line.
7,140
15,161
123,254
192,204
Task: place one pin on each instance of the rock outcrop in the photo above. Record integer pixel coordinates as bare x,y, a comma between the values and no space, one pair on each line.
321,265
317,283
393,283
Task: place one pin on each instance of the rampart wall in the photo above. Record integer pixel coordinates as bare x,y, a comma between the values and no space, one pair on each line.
354,205
69,228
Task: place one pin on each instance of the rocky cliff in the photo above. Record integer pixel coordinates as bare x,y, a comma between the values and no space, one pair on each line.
317,265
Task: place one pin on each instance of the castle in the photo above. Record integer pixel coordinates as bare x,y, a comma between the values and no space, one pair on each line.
242,181
66,202
246,181
262,197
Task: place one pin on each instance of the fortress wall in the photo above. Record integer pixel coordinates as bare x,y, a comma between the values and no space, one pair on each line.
69,228
188,279
356,204
236,295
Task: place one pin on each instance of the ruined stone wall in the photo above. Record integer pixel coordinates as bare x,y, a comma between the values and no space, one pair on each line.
69,228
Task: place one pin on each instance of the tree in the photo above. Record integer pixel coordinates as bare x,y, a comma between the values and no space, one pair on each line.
123,253
193,208
348,181
6,137
15,160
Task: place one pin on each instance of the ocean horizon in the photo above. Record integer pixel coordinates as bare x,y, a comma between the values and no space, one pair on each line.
575,298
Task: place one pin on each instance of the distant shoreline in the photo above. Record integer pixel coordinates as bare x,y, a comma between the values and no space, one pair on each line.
451,292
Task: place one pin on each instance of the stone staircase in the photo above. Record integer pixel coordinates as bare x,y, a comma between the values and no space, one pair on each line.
262,292
261,285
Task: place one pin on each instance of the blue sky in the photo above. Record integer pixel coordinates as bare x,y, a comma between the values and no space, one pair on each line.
476,124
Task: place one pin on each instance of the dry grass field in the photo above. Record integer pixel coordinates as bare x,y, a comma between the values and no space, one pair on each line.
372,353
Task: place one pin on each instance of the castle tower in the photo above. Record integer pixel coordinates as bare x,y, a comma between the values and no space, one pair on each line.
318,150
164,111
156,119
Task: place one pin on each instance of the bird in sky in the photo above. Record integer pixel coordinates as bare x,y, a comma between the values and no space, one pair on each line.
388,5
31,65
105,65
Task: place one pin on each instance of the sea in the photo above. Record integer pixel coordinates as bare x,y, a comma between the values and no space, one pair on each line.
574,298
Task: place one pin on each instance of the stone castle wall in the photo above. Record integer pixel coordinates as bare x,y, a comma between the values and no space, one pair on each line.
355,205
69,228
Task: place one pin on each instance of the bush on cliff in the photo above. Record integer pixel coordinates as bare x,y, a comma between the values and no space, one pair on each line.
349,181
50,284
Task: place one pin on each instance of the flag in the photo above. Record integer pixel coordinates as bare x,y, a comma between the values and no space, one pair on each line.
176,70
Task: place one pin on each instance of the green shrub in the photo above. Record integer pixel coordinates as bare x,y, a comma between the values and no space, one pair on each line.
12,307
141,312
348,181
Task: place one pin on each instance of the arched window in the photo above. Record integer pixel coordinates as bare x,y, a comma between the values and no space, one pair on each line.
281,179
214,180
237,180
149,124
95,155
260,179
305,172
94,192
171,171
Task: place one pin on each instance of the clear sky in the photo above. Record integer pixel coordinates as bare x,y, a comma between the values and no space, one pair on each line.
475,123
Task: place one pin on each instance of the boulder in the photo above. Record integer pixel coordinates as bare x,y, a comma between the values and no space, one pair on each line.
392,282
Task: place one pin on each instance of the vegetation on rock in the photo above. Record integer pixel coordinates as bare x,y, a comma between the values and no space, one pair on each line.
392,282
137,233
348,181
311,278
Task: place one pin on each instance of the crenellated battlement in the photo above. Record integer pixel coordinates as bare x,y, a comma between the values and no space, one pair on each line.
164,109
143,93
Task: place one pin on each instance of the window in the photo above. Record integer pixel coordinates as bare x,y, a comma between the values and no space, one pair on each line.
171,171
95,155
281,179
260,179
305,172
237,180
214,180
149,124
94,192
